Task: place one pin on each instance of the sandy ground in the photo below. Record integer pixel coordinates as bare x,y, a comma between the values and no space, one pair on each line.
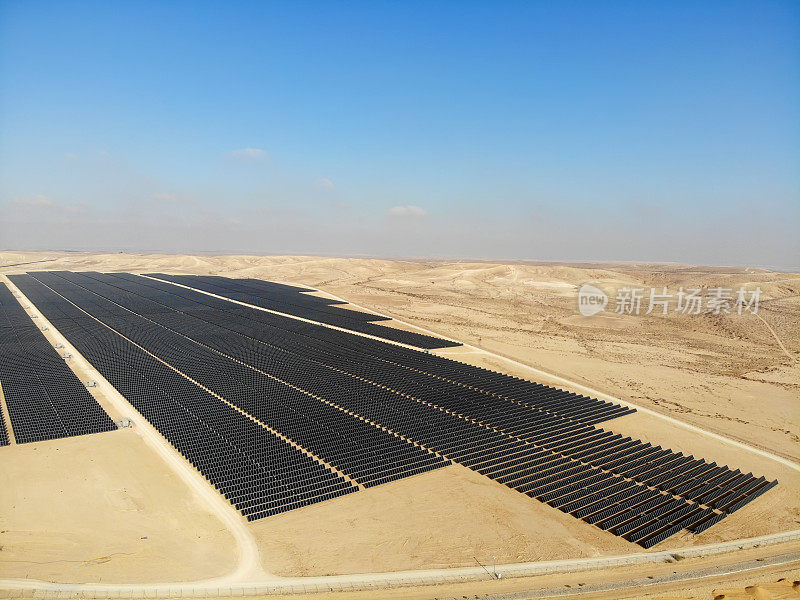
732,375
103,507
446,518
454,517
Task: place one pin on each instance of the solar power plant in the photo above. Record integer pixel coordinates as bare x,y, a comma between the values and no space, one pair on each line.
369,410
45,399
291,300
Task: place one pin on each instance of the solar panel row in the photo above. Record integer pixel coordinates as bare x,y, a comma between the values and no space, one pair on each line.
4,321
299,305
5,440
45,399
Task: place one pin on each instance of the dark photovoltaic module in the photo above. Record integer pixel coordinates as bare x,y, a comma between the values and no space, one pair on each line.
45,399
293,301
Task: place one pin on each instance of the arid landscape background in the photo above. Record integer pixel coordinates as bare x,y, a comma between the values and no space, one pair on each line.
734,375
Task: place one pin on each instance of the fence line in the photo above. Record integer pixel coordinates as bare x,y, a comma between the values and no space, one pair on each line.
343,583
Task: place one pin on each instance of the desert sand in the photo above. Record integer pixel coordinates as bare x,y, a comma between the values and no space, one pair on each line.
445,518
103,507
733,375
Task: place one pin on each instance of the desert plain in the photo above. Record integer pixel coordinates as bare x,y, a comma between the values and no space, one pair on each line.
106,508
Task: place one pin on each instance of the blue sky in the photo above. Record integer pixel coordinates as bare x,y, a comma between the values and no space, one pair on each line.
658,131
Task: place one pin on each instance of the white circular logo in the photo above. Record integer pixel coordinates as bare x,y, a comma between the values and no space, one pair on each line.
591,300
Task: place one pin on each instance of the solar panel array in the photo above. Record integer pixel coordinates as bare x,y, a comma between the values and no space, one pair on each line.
539,440
291,300
45,399
366,453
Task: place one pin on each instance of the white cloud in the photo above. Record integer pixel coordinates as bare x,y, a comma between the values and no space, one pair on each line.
407,211
326,184
164,197
77,208
252,154
44,207
40,200
168,198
